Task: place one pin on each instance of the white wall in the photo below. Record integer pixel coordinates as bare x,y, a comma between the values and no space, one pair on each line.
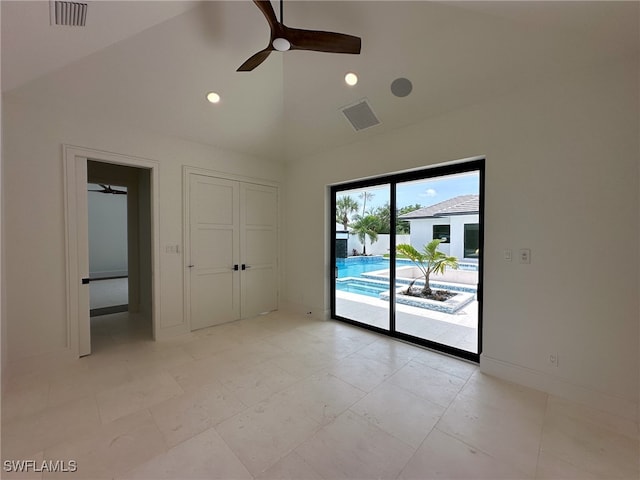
107,233
4,357
379,247
35,225
422,233
561,157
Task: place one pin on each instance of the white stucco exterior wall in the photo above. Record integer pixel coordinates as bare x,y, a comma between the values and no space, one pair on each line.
422,232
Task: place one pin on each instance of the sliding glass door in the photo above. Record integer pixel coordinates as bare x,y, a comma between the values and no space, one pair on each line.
407,256
362,218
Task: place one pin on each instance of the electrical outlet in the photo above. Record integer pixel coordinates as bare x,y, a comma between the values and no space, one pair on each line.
525,255
553,359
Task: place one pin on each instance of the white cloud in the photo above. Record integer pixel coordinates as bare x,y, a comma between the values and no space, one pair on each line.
429,192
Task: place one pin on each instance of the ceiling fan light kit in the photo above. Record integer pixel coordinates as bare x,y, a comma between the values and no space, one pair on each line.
281,44
284,38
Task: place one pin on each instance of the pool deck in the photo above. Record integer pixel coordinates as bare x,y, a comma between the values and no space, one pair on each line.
458,330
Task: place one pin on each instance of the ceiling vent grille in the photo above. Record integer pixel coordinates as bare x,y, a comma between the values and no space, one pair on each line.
360,115
72,14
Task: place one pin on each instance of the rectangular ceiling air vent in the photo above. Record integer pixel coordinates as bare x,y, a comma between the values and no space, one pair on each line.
360,115
72,14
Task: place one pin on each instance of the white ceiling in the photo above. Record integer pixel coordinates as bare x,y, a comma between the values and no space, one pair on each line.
149,64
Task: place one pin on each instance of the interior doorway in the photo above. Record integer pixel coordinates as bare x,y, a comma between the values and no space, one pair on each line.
140,177
119,234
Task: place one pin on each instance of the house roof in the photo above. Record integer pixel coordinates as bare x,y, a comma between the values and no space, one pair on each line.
460,205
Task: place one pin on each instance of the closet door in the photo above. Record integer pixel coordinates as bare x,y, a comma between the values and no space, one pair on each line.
232,250
214,238
258,249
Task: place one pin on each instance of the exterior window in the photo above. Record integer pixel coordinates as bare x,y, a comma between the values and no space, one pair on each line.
442,232
471,240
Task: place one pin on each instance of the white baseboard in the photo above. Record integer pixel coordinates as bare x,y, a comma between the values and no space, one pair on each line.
555,386
317,313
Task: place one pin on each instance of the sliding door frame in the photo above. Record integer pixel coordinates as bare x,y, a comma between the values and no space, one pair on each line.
392,180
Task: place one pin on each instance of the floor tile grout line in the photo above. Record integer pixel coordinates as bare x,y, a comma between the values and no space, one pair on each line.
542,427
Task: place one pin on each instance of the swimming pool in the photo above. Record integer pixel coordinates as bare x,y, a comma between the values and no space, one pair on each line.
362,287
356,266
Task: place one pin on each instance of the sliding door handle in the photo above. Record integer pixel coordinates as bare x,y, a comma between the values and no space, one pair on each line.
245,267
235,267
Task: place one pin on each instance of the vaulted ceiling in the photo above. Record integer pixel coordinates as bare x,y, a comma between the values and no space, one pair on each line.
149,64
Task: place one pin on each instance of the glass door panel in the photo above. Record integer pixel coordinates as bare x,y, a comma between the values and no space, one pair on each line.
362,245
438,249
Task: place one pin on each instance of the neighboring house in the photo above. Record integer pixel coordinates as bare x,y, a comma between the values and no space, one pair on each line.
455,221
342,237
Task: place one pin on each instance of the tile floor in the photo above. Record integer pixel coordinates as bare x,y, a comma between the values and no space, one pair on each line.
284,396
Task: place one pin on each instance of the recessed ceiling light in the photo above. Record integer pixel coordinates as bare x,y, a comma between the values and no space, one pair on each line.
351,79
213,97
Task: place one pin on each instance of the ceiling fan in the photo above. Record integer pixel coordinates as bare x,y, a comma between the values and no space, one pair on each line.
108,189
284,38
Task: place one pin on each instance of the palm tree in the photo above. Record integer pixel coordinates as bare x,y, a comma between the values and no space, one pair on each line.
403,226
366,227
345,206
383,214
365,196
429,261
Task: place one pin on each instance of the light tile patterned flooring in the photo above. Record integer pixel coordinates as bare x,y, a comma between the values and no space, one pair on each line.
284,396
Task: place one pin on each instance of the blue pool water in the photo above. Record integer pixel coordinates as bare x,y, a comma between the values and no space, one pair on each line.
351,270
369,289
355,267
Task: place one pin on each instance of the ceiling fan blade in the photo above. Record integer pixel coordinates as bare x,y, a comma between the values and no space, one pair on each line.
267,9
322,41
255,60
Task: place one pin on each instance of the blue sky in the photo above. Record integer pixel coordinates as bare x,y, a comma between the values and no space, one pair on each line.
425,192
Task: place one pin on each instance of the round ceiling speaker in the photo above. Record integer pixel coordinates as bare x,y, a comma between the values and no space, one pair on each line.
401,87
